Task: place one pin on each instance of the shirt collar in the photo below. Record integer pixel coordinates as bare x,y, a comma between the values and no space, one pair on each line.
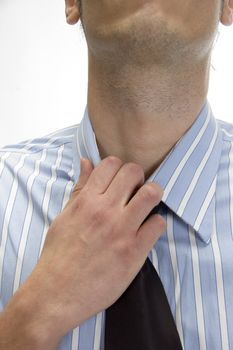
187,175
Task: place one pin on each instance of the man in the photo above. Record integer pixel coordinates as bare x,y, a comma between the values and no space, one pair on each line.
150,137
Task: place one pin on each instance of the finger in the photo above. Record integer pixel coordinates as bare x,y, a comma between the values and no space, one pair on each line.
86,168
125,184
103,174
142,203
150,232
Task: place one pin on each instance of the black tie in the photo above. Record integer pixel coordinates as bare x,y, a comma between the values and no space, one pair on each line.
141,318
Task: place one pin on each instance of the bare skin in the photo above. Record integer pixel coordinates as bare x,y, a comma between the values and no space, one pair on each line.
92,252
149,67
148,78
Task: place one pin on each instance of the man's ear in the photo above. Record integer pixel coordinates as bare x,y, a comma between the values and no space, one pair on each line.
72,11
227,13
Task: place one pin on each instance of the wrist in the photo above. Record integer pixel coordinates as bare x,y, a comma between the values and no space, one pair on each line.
26,324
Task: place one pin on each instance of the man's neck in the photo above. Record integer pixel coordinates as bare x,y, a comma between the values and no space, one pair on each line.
138,115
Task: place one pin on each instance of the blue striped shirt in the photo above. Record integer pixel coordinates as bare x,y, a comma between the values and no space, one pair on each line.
194,257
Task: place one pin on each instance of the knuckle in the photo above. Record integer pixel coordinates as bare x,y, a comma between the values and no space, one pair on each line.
113,160
77,189
123,249
135,168
77,202
159,189
150,192
99,215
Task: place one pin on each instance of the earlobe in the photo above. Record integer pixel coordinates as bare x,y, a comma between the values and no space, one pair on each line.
227,13
72,11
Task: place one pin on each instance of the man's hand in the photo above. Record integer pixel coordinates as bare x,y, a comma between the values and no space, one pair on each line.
95,247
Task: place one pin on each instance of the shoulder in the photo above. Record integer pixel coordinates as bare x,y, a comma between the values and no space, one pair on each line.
36,179
227,129
43,157
56,139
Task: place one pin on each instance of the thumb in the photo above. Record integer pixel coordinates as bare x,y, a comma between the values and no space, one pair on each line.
86,168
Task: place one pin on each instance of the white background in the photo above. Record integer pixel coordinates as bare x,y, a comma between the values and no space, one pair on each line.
43,70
